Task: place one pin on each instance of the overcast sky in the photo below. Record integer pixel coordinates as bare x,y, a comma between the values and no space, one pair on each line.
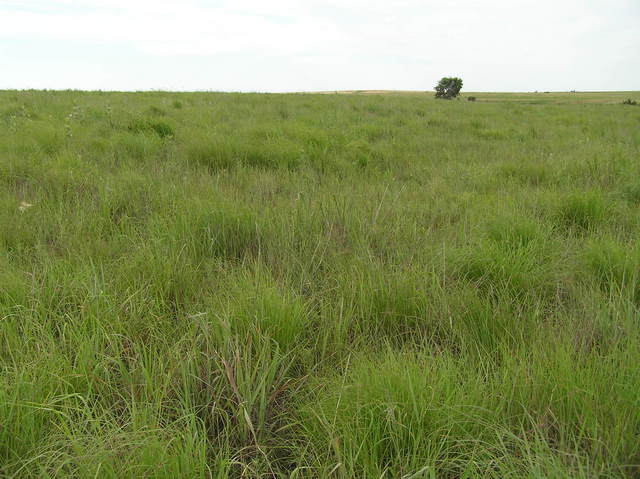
311,45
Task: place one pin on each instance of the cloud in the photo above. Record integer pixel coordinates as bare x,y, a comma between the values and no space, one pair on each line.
171,28
317,41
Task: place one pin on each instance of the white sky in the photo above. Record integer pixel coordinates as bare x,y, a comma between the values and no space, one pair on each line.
287,45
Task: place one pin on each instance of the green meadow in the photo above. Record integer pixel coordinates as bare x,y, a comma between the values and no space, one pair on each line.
210,285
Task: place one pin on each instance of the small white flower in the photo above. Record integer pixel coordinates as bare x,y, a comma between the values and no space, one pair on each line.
24,206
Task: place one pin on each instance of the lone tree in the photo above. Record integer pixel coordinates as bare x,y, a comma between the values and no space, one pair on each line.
448,88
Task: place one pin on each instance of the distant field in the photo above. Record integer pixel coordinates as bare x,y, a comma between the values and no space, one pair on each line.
209,285
537,97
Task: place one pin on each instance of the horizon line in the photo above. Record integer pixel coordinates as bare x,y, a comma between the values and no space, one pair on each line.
298,92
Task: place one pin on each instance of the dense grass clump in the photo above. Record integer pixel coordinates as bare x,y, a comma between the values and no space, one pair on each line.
616,266
582,211
302,286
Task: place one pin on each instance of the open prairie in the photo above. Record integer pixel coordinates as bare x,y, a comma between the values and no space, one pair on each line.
209,285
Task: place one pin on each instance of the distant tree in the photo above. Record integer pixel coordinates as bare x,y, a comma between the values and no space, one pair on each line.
448,88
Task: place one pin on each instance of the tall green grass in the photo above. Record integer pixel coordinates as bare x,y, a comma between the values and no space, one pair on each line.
246,285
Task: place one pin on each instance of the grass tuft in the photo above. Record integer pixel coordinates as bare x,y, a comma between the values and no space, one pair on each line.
583,211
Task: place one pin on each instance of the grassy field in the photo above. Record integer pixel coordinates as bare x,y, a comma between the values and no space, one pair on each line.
207,285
